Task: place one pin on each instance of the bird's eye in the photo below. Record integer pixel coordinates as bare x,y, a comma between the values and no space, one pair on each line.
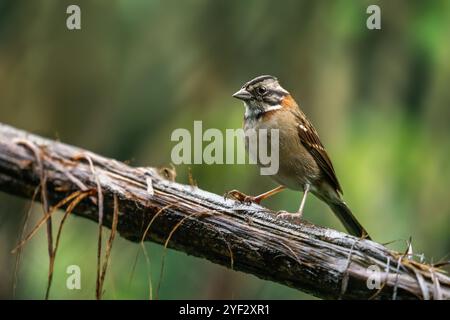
261,91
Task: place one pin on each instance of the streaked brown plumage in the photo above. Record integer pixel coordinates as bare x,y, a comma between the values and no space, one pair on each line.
303,161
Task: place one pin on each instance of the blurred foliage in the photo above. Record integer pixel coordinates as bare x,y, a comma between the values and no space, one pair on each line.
139,69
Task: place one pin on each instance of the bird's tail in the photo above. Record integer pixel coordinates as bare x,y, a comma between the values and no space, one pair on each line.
345,215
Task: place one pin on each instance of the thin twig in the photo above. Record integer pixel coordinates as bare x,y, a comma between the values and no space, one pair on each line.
110,243
147,257
24,227
69,209
44,200
167,242
44,220
345,277
98,293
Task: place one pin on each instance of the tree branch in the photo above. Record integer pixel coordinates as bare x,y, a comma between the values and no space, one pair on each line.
248,238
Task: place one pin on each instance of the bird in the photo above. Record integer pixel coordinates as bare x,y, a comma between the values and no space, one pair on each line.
304,164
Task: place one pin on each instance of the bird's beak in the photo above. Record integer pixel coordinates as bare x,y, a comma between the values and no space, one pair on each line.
242,95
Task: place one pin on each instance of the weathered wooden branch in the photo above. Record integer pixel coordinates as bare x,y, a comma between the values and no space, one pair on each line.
248,238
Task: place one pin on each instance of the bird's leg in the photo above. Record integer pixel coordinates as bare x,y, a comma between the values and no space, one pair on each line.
299,213
237,195
268,194
302,203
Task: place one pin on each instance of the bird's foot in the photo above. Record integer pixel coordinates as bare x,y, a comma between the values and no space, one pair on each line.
288,215
241,197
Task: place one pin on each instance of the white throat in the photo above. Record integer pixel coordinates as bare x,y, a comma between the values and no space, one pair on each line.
271,108
253,112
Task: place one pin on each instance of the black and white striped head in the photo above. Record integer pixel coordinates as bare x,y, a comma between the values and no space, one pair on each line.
261,95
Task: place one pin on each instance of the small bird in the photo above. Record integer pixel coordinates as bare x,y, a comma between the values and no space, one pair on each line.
303,162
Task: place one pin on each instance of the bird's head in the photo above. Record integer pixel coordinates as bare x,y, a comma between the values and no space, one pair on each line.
262,94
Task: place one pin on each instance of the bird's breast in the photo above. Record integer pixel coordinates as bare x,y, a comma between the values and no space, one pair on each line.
275,136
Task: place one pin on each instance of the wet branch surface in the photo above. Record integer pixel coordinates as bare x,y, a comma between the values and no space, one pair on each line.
247,238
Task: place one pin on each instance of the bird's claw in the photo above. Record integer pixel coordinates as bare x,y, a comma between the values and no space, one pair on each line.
288,215
239,196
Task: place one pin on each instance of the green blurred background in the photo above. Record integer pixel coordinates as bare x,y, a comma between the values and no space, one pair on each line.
140,69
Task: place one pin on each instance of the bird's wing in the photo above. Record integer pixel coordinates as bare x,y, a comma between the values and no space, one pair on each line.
310,139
